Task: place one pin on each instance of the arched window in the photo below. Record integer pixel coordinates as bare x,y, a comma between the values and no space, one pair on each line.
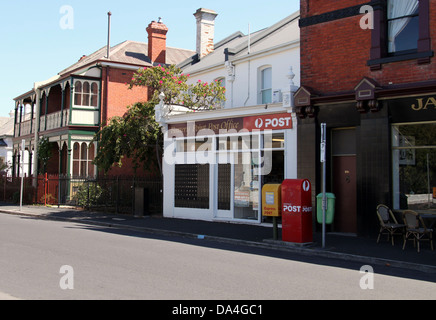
83,155
91,157
83,159
94,94
76,159
86,93
78,93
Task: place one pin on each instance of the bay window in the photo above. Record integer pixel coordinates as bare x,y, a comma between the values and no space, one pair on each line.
86,93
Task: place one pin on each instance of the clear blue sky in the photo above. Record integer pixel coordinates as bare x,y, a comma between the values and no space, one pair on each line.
34,47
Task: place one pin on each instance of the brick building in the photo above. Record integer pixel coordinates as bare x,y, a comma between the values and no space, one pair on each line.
368,71
69,108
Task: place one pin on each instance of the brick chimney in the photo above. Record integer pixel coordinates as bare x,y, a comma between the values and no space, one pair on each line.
205,31
157,41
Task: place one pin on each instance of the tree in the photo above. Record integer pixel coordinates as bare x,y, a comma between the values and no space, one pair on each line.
44,154
137,135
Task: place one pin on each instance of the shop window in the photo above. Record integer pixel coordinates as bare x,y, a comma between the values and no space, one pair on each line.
403,25
414,165
192,186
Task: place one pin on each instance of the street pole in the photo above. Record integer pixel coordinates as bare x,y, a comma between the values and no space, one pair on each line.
23,142
323,161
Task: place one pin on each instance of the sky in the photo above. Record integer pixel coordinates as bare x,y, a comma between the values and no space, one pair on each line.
41,38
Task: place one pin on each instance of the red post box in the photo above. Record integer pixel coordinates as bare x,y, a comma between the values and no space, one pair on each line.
297,211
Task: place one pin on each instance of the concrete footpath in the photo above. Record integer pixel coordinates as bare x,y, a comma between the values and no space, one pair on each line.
358,249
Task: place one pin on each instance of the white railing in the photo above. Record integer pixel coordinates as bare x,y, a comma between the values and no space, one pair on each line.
54,120
27,127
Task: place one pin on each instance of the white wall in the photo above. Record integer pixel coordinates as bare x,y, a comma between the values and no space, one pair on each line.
244,91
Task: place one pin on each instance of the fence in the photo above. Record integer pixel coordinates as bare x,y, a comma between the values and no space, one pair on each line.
112,194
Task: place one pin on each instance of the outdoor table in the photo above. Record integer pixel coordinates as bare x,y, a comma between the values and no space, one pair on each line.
427,214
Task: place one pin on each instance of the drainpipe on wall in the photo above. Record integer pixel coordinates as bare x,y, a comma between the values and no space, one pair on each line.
249,87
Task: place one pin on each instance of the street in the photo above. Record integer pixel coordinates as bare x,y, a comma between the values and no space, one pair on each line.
43,259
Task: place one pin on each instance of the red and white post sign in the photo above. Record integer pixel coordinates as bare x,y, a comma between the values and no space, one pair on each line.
269,122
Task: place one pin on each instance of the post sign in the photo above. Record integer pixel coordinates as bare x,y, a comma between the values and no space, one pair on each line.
271,200
269,122
297,211
280,121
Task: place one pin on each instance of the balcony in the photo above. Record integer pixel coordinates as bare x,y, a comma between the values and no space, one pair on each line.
52,121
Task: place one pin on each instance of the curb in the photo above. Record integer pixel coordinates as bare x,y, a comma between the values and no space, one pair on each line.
266,244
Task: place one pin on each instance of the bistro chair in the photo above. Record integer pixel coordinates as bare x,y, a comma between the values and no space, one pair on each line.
416,229
388,223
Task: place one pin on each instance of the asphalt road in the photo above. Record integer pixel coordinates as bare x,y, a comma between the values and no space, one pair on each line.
105,264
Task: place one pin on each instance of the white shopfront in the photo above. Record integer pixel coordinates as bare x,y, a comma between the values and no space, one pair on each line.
216,162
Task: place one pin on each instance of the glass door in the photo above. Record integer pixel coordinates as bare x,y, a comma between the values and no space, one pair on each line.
246,188
224,191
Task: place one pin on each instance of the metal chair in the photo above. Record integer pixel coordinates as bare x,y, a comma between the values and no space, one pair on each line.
388,223
416,228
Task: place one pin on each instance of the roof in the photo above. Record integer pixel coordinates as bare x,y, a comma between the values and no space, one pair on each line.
6,127
128,52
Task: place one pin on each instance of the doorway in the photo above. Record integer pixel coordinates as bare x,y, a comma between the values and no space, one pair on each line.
224,188
344,179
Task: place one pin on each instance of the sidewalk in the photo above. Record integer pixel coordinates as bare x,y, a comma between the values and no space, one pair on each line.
359,249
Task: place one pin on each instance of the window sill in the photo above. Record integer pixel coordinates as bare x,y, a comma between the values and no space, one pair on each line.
85,108
422,57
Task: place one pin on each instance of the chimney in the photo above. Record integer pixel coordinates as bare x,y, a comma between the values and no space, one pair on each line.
157,41
205,31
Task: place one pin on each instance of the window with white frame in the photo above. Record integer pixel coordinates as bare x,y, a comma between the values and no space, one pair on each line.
265,82
83,155
86,93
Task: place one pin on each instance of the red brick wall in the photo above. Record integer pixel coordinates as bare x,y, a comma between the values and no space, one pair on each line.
316,7
119,96
334,54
